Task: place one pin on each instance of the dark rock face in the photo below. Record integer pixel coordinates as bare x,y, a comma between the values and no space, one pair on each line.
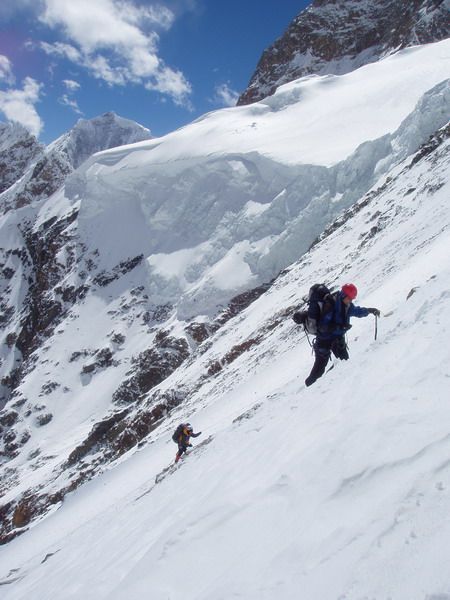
103,279
47,176
338,36
45,299
18,150
43,304
241,302
152,366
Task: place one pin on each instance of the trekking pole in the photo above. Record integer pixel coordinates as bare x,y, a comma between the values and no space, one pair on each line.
376,327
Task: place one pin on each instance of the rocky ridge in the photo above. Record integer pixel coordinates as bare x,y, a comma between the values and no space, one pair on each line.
18,150
334,37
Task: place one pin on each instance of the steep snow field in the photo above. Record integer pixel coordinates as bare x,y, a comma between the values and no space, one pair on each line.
336,492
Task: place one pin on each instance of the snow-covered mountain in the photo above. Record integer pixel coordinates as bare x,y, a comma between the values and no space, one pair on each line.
94,135
335,37
148,291
33,172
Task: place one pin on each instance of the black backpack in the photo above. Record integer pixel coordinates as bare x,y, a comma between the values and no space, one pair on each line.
177,433
318,294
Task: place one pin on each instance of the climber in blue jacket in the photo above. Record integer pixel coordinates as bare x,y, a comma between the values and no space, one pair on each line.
332,326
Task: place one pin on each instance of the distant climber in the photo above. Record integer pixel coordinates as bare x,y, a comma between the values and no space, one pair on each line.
182,436
328,318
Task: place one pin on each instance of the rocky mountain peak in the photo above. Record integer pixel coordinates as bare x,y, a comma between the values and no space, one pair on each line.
336,37
18,149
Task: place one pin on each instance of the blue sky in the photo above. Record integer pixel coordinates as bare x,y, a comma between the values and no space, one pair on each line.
162,64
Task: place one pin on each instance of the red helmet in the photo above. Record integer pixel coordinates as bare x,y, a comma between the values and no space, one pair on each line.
350,290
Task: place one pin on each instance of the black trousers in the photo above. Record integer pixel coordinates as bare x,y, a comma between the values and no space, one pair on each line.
181,449
322,351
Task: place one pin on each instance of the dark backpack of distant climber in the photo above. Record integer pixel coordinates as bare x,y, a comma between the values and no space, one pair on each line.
181,436
328,318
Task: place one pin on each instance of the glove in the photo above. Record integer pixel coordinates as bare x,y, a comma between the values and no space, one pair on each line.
374,311
299,317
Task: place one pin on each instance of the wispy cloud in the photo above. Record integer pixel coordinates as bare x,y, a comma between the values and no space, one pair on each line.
6,74
71,86
66,100
117,41
61,50
225,95
19,105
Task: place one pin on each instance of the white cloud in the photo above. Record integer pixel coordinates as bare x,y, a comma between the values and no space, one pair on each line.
174,84
61,50
6,74
225,95
160,16
18,105
94,25
65,100
71,86
116,41
102,69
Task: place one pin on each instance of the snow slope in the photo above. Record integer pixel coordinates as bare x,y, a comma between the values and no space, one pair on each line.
339,491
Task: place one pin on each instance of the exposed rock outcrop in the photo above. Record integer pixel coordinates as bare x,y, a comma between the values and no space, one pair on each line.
335,37
18,150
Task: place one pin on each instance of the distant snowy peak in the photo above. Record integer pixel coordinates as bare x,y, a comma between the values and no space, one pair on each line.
38,172
18,149
336,37
101,133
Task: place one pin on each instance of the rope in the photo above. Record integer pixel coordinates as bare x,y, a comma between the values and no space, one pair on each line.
307,337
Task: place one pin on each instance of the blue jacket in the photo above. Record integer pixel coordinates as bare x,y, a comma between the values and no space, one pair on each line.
335,319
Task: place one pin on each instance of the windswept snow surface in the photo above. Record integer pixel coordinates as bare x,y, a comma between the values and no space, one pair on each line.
336,492
244,191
